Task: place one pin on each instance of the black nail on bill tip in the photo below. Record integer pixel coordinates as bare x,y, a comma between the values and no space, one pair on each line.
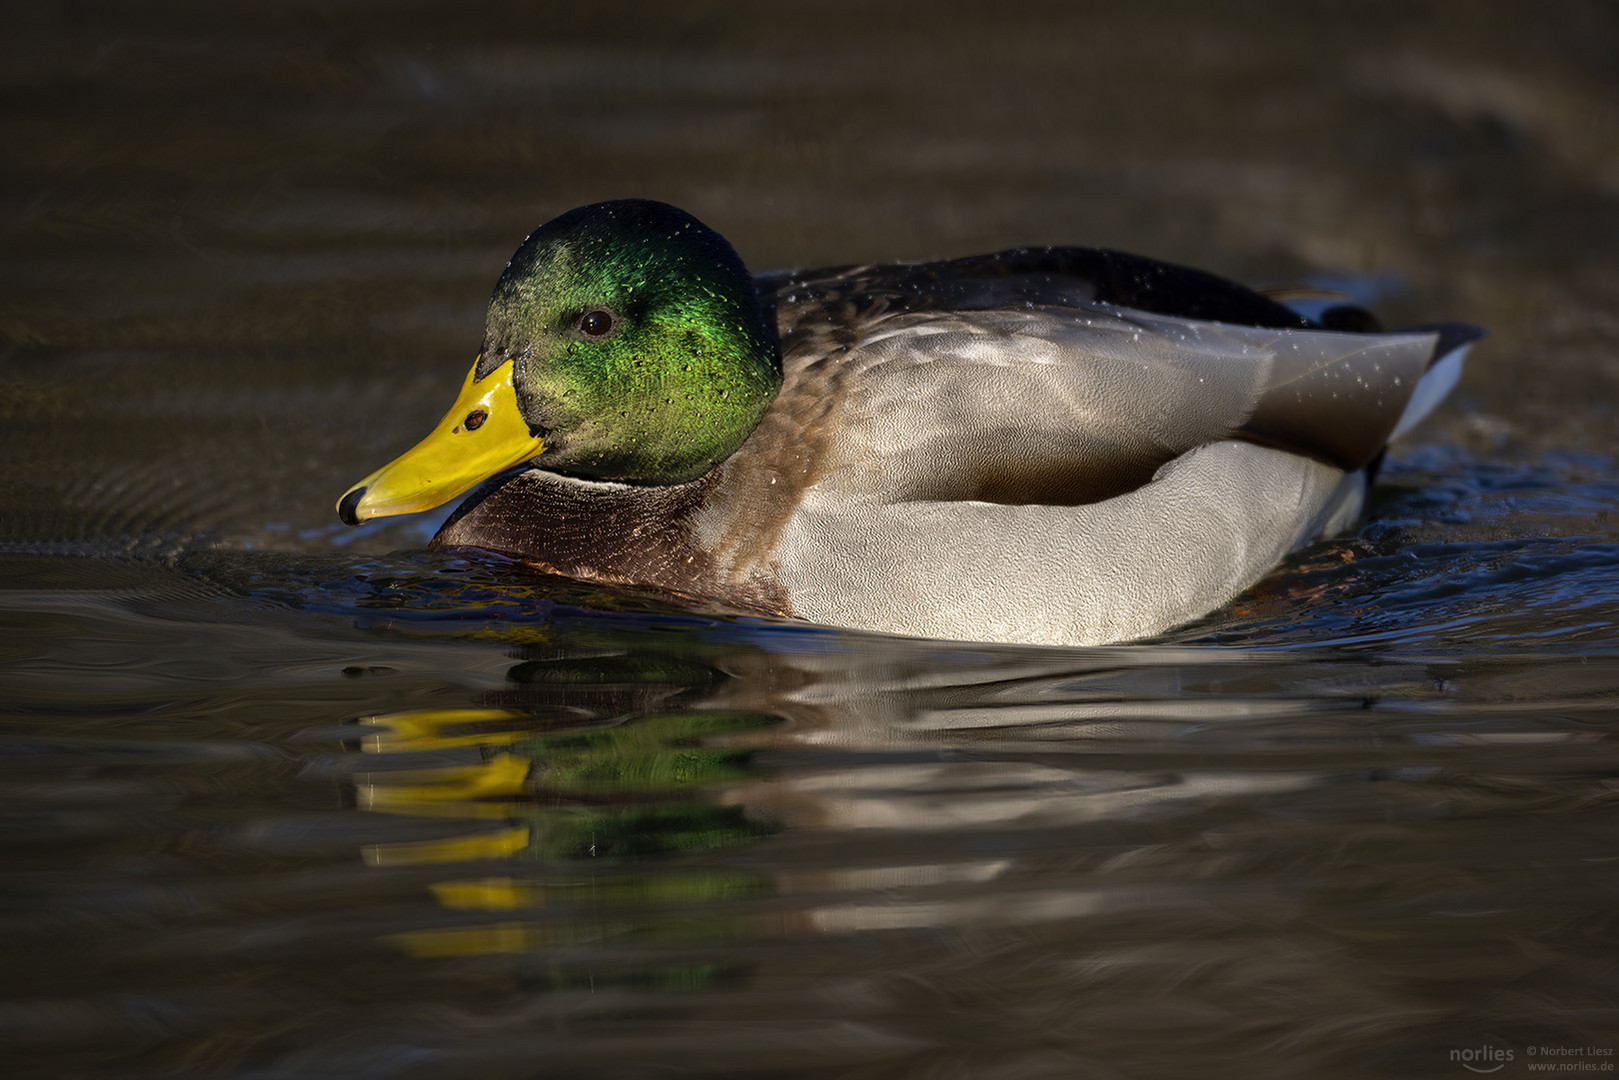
347,509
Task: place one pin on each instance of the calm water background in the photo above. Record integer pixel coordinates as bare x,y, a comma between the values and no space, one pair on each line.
286,800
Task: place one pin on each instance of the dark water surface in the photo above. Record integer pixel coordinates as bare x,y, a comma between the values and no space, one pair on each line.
282,799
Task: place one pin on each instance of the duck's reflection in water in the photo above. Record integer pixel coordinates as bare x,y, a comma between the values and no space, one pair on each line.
632,794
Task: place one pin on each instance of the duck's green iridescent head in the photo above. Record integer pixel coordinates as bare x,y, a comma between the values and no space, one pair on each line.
624,342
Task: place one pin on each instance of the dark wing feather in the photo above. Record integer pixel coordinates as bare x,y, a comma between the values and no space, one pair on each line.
1051,276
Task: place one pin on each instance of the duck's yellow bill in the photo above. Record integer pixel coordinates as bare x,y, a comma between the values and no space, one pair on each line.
481,435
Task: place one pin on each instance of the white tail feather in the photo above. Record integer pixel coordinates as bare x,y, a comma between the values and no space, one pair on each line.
1432,388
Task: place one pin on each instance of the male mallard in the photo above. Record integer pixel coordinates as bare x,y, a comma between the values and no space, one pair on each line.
1055,445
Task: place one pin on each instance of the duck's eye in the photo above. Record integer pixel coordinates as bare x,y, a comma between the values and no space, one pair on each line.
596,323
474,419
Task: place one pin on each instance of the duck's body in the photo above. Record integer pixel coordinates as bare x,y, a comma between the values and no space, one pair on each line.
1056,445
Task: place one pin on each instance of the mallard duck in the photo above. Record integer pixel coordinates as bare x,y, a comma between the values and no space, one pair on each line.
1047,445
